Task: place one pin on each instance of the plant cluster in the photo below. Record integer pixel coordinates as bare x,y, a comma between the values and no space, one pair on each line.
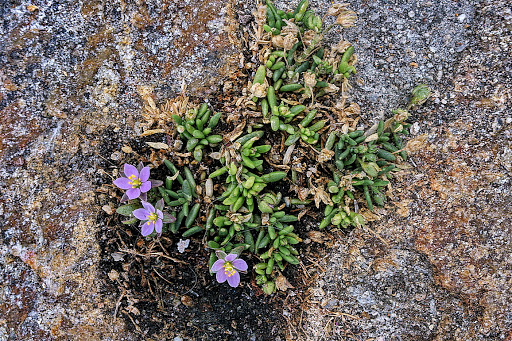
249,214
363,163
196,128
243,211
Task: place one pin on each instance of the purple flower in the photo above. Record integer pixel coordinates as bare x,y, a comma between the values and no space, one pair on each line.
227,269
152,218
136,181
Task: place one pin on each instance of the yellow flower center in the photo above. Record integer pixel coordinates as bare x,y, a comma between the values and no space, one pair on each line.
135,182
153,216
228,269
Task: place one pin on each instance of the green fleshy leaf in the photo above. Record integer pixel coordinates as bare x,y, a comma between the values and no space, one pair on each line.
238,250
265,207
220,254
130,221
127,210
370,168
268,288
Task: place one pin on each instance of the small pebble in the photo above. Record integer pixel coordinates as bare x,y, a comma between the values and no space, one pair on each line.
415,128
115,156
107,209
187,301
117,256
461,47
127,149
113,275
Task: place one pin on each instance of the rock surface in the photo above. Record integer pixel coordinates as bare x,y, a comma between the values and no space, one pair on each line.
69,78
440,268
69,70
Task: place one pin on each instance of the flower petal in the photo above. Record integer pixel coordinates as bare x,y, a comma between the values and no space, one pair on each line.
231,257
159,214
124,198
147,228
148,207
234,280
158,226
141,214
144,174
146,186
133,193
130,170
218,265
221,277
123,183
240,265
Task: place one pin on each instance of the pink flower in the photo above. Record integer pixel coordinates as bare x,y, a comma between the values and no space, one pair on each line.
152,218
227,269
136,181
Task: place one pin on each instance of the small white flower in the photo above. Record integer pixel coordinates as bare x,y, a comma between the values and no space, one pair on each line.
183,244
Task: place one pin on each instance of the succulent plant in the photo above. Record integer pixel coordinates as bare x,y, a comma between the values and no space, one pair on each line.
196,128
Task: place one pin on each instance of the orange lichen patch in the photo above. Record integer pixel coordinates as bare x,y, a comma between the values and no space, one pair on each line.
60,212
206,28
101,37
9,85
17,130
91,65
90,8
383,264
20,300
466,231
197,32
459,174
21,38
29,257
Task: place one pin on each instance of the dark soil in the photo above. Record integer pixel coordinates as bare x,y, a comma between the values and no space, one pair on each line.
185,300
164,291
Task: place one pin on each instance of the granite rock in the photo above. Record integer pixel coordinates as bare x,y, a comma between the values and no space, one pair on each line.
69,74
440,268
